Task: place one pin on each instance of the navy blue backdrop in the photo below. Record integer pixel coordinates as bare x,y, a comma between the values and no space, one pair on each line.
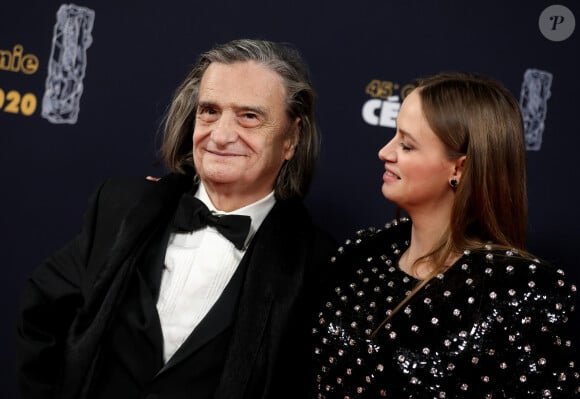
119,62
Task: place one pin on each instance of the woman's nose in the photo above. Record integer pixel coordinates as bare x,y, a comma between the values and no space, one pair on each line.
388,153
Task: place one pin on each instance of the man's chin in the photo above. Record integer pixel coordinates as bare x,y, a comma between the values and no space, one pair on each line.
221,178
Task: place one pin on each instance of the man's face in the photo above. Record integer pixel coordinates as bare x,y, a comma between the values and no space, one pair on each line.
242,134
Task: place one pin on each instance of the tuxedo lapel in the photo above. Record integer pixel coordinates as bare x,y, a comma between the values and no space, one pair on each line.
147,281
143,239
274,269
156,204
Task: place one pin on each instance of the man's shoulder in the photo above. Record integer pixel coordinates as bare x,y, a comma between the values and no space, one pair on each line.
127,189
293,219
127,183
290,211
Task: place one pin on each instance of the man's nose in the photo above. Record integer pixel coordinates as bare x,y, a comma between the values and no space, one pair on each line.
224,130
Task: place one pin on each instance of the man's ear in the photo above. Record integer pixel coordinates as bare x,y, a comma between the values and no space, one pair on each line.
293,135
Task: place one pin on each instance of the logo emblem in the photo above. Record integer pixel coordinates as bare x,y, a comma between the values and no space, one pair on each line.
557,23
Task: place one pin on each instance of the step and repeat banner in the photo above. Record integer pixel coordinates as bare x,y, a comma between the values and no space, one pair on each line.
84,87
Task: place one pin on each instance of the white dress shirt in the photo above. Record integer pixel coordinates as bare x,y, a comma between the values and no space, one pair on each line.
198,266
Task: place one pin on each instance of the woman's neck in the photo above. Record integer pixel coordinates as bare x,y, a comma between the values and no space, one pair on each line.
426,234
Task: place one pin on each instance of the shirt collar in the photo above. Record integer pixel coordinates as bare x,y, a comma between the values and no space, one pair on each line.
257,211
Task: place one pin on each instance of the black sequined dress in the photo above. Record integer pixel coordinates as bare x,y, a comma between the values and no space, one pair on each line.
495,325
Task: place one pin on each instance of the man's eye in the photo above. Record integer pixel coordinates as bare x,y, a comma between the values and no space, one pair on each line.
207,114
249,120
206,110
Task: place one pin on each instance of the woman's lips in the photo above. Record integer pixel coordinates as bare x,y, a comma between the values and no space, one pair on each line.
389,175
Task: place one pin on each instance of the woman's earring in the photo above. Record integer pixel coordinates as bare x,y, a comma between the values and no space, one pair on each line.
453,183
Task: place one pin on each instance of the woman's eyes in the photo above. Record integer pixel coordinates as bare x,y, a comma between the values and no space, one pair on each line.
405,147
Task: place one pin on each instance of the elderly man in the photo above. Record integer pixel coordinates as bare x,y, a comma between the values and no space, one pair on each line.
194,285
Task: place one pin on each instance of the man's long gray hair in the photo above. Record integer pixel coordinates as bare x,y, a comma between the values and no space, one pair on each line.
296,174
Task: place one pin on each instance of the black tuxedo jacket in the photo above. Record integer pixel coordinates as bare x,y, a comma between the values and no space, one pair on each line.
79,298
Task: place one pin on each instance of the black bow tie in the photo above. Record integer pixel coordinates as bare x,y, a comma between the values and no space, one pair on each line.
192,214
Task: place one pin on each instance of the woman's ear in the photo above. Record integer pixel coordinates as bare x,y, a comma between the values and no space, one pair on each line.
459,163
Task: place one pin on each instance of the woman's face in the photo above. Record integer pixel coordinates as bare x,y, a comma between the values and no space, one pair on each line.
417,170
